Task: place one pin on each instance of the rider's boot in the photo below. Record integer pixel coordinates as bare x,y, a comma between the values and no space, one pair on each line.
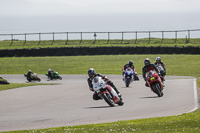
146,84
117,91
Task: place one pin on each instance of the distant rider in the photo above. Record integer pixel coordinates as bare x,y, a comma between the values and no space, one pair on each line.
147,67
29,74
130,64
50,74
92,74
159,62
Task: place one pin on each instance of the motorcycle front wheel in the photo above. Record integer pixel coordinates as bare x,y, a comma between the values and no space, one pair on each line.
108,99
39,79
60,78
157,89
128,82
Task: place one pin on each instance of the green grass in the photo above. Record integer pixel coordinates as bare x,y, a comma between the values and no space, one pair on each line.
19,85
20,44
182,65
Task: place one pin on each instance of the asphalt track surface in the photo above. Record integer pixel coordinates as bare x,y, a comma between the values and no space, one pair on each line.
70,102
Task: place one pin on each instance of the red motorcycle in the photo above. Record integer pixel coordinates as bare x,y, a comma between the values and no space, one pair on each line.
155,83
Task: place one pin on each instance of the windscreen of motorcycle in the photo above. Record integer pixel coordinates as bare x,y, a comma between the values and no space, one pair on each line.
98,83
129,71
160,67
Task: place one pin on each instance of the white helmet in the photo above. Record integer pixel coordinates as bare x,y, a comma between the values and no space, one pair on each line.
49,70
158,59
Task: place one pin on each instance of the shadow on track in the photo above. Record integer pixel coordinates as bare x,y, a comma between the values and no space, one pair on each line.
97,107
150,97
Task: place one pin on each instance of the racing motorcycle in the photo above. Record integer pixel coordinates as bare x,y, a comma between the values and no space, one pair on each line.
33,77
161,70
155,83
106,92
55,75
128,76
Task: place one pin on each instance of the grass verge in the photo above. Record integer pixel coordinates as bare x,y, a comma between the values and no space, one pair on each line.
19,85
20,44
180,65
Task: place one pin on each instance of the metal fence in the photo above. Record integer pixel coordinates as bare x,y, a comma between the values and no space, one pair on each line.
81,36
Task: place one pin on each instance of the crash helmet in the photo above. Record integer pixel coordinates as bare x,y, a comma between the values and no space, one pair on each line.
130,63
29,70
147,62
158,59
91,72
49,70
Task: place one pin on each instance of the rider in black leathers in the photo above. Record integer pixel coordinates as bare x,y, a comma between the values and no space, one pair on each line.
29,74
92,74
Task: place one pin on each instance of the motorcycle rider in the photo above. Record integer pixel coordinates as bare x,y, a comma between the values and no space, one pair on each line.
29,74
50,72
158,61
130,64
92,74
147,67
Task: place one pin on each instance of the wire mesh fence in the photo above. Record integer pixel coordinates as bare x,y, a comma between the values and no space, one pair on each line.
106,36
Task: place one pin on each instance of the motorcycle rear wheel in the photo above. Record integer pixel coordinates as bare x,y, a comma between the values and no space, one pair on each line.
107,99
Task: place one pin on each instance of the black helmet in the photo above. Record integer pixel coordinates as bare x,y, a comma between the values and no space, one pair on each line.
130,63
147,62
91,72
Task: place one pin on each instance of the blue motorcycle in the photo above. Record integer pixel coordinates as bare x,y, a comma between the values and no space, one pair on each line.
128,76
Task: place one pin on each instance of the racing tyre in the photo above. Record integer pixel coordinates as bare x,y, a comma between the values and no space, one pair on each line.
39,79
136,78
108,99
121,103
60,78
128,82
156,88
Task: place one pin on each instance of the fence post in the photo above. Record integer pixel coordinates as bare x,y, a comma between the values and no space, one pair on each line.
149,37
122,37
162,36
39,38
81,38
67,38
108,37
24,39
53,39
175,36
11,39
188,40
135,37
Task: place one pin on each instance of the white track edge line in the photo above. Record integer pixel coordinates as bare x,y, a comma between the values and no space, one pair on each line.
196,99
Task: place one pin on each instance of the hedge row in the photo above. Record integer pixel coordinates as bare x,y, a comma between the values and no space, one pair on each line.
72,51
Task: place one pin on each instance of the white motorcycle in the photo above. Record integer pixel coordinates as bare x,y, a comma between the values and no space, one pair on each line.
160,69
106,92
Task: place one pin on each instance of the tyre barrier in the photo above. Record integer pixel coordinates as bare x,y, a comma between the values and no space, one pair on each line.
74,51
